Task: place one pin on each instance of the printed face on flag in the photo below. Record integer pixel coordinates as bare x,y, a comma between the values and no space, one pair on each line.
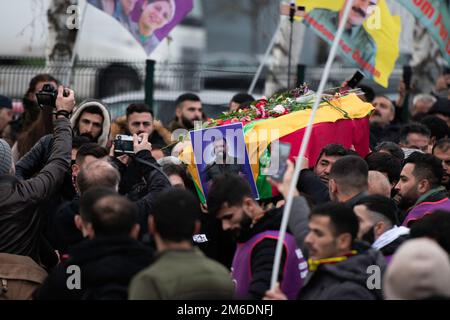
361,10
149,21
221,150
371,35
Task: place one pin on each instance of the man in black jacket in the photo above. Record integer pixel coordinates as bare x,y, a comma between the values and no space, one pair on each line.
314,183
106,262
20,226
138,174
349,180
256,231
337,263
378,224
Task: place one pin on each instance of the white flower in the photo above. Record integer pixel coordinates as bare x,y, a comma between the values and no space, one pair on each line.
279,109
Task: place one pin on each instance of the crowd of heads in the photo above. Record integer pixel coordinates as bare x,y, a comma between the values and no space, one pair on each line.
367,200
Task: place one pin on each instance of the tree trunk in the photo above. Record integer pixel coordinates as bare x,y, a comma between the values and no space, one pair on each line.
426,60
61,38
278,74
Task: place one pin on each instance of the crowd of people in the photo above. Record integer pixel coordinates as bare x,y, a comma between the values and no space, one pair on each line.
82,217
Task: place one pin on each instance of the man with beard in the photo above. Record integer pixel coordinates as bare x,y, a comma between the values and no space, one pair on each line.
414,136
256,232
381,122
378,221
442,151
133,171
314,182
92,119
338,262
140,120
188,110
354,33
223,162
419,190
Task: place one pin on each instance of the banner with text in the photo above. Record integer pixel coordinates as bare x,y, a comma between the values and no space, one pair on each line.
371,36
435,16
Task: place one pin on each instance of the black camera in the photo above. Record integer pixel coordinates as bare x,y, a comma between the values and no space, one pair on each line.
47,96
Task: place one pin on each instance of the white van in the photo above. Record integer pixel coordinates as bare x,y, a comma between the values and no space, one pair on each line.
115,61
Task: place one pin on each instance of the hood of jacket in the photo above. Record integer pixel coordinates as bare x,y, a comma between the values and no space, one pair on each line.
104,136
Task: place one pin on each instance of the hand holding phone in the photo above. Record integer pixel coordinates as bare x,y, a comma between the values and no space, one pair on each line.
283,153
355,80
407,73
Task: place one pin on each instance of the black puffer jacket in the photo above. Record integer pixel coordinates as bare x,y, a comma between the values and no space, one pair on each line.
107,264
346,280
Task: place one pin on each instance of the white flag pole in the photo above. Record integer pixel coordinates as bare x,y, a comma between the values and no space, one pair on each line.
288,206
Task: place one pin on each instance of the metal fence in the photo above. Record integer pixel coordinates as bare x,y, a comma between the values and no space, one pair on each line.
122,82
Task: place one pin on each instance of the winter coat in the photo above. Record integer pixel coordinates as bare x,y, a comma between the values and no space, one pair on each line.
263,253
106,265
141,183
20,276
20,219
345,280
182,274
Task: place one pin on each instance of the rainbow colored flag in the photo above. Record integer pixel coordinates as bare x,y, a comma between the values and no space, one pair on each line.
343,120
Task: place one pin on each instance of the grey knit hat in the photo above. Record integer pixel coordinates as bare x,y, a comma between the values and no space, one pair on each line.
5,157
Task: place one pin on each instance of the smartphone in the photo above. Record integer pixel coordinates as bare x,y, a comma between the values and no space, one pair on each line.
407,73
284,150
355,80
446,71
123,144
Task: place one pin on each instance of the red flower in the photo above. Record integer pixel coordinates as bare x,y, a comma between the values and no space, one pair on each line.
261,103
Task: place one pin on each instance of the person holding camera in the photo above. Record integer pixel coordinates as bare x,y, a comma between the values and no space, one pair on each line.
140,179
21,226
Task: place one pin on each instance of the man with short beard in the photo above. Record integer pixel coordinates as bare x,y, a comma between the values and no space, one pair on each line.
135,172
92,119
378,221
354,34
188,110
419,190
223,163
442,151
256,232
314,183
381,122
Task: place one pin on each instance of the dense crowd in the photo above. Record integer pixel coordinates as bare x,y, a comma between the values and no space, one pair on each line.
82,219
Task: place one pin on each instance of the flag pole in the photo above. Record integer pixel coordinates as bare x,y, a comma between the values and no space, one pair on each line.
288,206
292,10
